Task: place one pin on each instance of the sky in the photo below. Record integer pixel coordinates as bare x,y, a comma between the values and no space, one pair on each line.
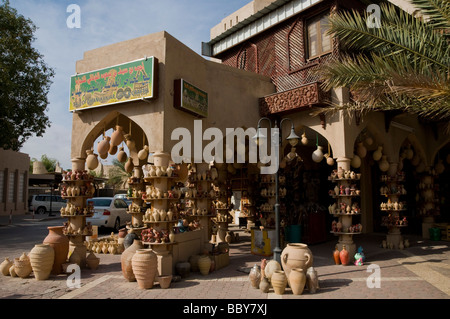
104,22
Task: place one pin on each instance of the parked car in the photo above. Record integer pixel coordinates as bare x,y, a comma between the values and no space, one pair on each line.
40,204
124,197
109,212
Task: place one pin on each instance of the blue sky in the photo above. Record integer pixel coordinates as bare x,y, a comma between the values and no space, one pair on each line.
104,22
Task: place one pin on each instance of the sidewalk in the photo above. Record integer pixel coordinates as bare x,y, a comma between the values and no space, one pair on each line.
420,272
6,220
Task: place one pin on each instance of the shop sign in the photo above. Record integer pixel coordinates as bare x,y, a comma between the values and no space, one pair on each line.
190,98
116,84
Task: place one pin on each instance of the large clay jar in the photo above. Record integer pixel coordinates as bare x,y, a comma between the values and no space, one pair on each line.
103,146
126,257
144,263
117,136
22,266
279,281
60,244
204,264
255,276
129,239
344,257
91,160
122,156
296,255
42,257
129,165
92,261
297,280
271,267
337,259
5,265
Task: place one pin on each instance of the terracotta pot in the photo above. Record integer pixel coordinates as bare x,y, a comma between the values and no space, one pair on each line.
112,149
91,160
5,265
122,156
297,280
204,265
92,261
264,285
144,264
279,281
22,267
271,267
343,255
164,281
117,136
296,255
129,165
183,268
122,232
255,276
126,257
60,244
103,146
42,257
143,153
336,257
161,159
129,240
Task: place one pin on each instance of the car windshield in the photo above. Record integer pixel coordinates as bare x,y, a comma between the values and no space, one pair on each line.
100,201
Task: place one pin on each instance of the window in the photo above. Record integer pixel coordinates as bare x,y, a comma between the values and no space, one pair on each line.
319,42
12,184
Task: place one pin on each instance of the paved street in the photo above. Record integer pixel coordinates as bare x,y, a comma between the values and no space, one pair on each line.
420,272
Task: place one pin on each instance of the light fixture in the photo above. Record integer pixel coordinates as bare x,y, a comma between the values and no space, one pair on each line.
293,138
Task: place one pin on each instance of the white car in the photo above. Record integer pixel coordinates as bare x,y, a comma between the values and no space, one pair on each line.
109,212
44,203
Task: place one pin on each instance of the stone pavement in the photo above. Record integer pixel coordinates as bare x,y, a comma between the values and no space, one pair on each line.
421,271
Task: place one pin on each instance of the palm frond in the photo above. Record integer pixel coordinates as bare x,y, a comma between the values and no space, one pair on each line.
437,12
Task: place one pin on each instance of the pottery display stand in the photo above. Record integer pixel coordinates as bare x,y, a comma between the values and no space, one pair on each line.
135,194
427,207
345,209
162,202
268,194
77,187
222,211
393,207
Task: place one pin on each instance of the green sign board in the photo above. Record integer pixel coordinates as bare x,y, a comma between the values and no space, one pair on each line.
190,98
117,84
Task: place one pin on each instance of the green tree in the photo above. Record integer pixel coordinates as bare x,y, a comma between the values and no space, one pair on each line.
49,163
118,177
402,66
25,80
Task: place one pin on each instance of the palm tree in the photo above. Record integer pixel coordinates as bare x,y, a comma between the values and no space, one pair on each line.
118,177
401,66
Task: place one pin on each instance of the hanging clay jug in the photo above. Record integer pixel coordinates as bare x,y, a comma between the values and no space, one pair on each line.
122,156
42,257
91,160
144,265
279,282
5,265
383,164
204,264
317,155
117,136
129,166
297,280
112,149
356,161
125,259
255,276
296,255
361,150
329,159
378,153
103,146
60,244
344,256
129,141
143,153
304,139
336,257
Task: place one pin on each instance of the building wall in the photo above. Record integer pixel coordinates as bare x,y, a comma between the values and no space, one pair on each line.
14,167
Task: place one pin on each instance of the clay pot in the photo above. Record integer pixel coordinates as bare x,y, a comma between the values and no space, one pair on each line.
297,280
204,265
255,276
42,257
5,265
126,257
344,256
122,156
117,136
312,280
112,149
129,165
336,257
12,271
122,232
143,153
183,268
264,285
60,244
22,266
129,239
271,267
279,281
92,261
144,265
164,281
91,160
161,159
296,255
103,146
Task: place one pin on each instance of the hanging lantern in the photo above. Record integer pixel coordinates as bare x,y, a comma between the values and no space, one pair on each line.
91,160
356,161
317,155
378,153
361,150
383,164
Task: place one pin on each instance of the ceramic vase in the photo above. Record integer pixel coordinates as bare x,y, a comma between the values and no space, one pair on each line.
144,265
255,276
103,146
22,266
336,257
129,165
122,156
91,160
264,285
117,136
271,267
5,265
161,159
164,281
279,281
312,280
204,265
296,255
143,153
183,268
297,280
92,261
60,244
42,257
317,155
126,257
343,256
